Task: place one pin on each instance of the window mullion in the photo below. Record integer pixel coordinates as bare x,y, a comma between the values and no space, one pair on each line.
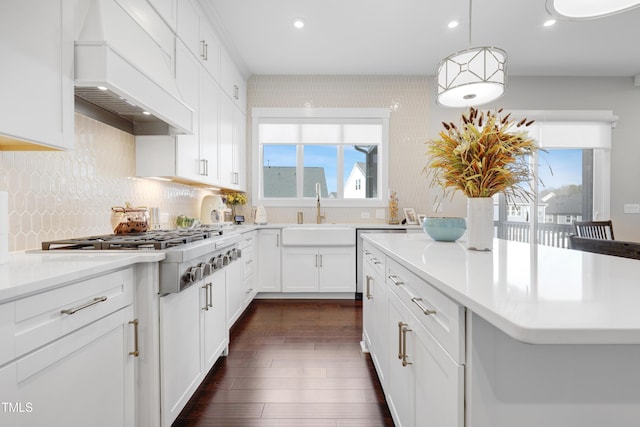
340,171
299,171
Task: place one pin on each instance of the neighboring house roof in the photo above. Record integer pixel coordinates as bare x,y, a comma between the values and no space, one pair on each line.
280,181
565,204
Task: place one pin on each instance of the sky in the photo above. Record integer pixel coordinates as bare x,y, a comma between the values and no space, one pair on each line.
566,168
314,155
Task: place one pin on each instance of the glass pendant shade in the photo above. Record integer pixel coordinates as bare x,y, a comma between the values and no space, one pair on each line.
472,77
588,9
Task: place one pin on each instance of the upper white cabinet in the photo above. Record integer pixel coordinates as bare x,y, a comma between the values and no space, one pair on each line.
190,158
232,81
195,31
232,145
36,76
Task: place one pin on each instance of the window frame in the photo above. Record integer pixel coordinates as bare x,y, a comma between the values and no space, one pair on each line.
321,115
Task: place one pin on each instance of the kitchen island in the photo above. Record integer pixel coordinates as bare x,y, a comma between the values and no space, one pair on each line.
524,335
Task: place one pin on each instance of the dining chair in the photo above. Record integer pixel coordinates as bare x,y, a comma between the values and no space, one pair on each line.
594,229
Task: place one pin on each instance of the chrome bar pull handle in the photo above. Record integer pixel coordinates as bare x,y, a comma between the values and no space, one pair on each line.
206,297
210,295
73,310
368,282
404,346
395,280
135,352
400,325
418,301
203,45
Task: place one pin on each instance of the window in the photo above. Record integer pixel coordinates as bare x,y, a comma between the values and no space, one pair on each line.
340,151
574,170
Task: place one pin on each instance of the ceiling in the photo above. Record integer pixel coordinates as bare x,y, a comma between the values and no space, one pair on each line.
410,37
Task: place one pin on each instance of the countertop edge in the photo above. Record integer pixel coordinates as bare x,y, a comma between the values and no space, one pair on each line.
518,331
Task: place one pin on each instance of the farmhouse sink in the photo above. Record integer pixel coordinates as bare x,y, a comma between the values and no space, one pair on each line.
320,235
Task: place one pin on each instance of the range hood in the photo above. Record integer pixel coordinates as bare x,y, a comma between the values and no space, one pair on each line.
123,75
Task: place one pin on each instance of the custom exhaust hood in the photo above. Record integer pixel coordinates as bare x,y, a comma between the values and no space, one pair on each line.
124,75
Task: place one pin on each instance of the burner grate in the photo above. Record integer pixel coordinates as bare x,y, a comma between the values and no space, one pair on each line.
150,240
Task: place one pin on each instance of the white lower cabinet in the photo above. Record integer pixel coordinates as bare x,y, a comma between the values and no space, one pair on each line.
375,315
76,350
422,373
318,269
236,292
269,273
425,385
193,335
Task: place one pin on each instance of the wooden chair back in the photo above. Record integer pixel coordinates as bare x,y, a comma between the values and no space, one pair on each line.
594,229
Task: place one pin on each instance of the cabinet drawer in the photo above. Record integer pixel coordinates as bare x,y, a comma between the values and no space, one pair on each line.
42,318
248,262
248,239
374,257
439,314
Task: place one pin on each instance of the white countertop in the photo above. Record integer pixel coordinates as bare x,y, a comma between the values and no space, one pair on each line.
536,294
26,273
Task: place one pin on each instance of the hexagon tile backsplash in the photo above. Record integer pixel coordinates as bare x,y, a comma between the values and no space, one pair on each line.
56,195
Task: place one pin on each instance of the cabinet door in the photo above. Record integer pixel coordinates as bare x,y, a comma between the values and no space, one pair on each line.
269,279
374,308
235,292
399,392
439,384
300,269
37,53
188,23
180,354
239,150
337,270
213,307
226,142
187,149
209,107
85,378
211,54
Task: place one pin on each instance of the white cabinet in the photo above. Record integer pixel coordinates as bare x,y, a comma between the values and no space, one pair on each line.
195,31
232,145
321,269
415,336
36,78
374,311
249,265
194,334
425,385
190,158
236,292
232,81
214,334
269,279
75,351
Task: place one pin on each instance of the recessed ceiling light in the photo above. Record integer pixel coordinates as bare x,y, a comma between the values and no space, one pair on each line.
549,22
146,113
298,23
453,24
101,87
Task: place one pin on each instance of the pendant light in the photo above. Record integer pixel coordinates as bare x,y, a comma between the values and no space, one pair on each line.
473,76
575,10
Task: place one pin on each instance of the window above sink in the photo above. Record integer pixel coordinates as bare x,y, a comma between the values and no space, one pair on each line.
345,151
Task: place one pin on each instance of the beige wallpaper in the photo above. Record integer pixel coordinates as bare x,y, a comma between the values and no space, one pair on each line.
406,96
55,195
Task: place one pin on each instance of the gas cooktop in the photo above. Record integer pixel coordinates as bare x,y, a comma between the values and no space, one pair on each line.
150,240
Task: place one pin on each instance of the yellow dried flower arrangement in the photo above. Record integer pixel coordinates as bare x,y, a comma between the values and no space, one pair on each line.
484,155
236,198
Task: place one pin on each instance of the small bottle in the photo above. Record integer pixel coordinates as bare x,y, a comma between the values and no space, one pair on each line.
300,218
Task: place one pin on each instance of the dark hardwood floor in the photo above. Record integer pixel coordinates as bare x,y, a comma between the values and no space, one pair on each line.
292,363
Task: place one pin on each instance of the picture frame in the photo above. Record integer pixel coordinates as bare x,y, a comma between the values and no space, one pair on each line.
410,216
421,218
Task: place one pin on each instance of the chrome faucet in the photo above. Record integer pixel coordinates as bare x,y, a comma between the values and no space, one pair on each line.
319,217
